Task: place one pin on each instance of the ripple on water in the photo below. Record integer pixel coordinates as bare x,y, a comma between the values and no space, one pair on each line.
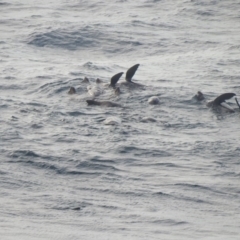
97,166
34,159
86,37
169,222
4,4
137,151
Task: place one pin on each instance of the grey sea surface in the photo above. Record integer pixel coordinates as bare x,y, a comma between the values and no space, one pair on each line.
168,171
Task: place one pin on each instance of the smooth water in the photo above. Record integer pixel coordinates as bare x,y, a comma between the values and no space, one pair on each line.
67,175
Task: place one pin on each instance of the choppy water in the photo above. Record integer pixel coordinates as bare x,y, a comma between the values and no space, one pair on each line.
65,174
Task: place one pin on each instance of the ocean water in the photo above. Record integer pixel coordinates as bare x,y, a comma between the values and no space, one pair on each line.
65,174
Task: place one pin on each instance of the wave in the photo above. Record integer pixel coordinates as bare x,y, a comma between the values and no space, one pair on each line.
143,151
86,38
67,39
4,4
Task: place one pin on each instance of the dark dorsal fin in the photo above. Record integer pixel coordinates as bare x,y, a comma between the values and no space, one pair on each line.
98,80
223,97
199,96
115,79
130,72
85,80
72,90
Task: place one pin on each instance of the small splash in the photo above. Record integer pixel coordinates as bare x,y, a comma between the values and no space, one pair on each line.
112,121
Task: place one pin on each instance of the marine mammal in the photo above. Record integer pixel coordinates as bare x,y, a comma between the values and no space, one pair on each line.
219,102
98,80
97,89
199,96
72,90
130,72
85,80
103,103
129,75
114,79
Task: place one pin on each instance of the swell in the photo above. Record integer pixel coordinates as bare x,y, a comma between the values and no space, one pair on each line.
63,165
